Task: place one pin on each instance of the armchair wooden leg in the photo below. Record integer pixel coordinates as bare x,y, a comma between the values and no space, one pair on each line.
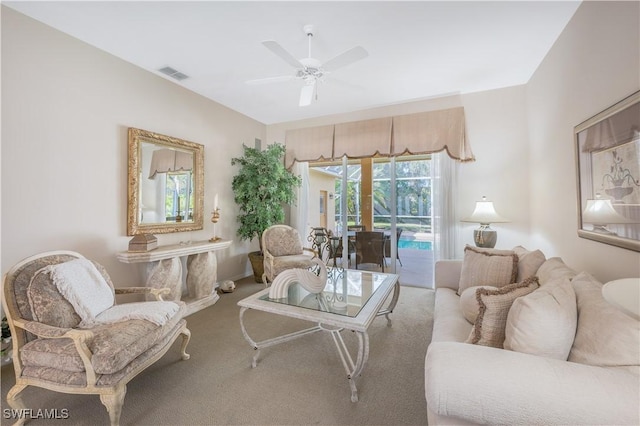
186,336
14,399
114,402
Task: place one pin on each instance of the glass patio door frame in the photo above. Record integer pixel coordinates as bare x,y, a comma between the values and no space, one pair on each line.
392,215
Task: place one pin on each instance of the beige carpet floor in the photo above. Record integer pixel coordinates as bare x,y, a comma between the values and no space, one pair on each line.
296,383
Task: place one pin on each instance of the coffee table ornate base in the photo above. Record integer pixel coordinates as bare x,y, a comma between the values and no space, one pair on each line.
334,325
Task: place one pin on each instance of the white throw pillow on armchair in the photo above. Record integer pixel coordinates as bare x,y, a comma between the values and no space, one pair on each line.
544,322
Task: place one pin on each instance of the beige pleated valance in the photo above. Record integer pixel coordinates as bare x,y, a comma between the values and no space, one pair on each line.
360,139
421,133
615,130
309,144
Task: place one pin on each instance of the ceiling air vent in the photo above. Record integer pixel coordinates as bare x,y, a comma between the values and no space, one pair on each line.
173,73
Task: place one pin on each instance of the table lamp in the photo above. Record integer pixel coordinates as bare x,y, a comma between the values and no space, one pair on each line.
600,213
485,214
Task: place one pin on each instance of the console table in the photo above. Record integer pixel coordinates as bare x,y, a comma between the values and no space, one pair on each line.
164,269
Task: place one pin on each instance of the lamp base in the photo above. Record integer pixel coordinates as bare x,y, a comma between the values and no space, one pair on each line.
485,237
602,229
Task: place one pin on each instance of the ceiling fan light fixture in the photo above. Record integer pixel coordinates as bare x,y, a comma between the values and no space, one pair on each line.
310,69
307,92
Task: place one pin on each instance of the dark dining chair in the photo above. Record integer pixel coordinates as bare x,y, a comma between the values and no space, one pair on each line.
352,229
335,248
370,248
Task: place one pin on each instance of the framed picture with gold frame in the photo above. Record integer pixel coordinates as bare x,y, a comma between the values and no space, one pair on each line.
608,168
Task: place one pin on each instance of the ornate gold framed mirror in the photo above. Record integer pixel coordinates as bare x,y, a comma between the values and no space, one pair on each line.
166,184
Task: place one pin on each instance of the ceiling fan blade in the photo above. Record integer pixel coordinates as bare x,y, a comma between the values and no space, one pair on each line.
267,80
345,58
281,52
306,94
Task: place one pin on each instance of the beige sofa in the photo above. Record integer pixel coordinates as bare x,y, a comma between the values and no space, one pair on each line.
587,376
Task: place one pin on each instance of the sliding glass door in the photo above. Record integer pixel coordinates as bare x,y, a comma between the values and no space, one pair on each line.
390,195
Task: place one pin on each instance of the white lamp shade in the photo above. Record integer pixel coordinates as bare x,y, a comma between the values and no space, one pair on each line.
169,160
601,212
485,213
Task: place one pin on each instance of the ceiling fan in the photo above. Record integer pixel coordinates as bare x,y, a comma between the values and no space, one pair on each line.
309,69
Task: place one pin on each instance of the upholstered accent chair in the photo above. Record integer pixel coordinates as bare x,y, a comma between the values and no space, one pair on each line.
58,345
282,249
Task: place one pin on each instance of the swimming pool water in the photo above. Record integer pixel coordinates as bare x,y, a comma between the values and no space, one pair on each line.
412,244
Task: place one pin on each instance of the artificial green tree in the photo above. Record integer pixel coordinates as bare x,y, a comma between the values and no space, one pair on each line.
261,188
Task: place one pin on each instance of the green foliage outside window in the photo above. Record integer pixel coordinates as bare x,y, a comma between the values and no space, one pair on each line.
176,201
413,194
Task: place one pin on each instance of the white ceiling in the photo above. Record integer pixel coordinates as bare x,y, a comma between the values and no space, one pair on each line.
417,49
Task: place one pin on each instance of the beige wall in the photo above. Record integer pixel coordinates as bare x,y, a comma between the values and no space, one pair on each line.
66,107
319,181
594,64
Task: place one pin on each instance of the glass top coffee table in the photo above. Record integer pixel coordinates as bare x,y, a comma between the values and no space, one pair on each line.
351,300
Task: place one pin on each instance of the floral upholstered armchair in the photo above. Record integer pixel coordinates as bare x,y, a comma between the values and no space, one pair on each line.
70,336
283,250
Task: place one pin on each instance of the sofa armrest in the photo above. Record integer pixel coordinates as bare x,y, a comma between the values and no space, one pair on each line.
496,386
447,273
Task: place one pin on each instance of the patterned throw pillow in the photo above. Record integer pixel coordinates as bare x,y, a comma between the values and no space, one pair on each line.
488,330
48,306
544,322
491,267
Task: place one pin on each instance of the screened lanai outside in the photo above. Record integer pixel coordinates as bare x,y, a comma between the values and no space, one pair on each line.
399,205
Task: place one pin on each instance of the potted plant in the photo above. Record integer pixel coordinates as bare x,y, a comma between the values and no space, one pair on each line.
5,348
261,188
